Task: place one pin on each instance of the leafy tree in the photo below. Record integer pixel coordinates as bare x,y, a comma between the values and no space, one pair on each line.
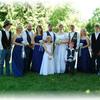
64,14
38,14
95,19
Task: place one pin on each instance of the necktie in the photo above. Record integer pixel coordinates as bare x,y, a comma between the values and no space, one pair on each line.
28,37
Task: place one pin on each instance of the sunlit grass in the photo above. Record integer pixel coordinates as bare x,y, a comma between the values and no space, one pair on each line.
63,84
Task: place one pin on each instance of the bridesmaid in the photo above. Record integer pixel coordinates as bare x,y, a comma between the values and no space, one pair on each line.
60,50
17,60
84,55
38,50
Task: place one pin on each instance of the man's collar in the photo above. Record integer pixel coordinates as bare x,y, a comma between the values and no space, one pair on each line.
5,30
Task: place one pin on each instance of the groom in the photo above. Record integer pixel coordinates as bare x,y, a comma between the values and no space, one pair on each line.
49,32
95,46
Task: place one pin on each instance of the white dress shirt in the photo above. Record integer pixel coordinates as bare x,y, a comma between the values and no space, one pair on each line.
7,33
45,35
66,54
1,46
24,36
97,34
78,38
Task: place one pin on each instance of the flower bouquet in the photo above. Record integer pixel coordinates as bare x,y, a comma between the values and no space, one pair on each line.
41,42
41,45
81,45
58,41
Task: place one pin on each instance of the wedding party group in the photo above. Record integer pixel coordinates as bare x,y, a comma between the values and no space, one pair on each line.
49,52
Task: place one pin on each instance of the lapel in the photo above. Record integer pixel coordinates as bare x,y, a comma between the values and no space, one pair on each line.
98,37
94,37
5,35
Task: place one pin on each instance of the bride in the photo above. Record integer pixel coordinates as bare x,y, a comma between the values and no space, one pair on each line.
60,49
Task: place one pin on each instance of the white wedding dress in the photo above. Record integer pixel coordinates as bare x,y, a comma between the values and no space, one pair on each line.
59,54
47,66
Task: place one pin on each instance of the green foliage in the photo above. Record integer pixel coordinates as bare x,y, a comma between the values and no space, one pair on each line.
59,15
95,19
38,14
66,15
3,12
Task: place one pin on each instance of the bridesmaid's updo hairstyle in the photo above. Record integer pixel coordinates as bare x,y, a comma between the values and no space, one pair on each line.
60,25
19,28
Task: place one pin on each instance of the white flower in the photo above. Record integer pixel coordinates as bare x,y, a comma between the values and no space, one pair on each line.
41,42
81,44
25,43
58,41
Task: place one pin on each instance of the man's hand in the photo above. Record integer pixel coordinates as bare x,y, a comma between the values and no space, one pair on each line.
98,53
76,50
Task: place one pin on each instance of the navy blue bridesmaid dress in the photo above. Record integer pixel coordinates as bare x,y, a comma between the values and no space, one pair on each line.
17,60
84,60
37,55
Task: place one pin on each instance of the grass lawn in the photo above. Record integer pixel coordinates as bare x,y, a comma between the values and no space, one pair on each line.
31,83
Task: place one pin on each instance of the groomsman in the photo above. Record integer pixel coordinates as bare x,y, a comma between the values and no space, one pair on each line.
28,41
95,46
49,32
74,36
5,47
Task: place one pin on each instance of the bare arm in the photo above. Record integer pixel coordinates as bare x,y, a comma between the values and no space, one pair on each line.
88,43
34,40
14,42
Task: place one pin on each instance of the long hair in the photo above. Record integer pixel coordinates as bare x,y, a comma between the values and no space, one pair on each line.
85,32
41,32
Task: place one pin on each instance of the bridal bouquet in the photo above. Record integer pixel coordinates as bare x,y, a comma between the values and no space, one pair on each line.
41,42
81,45
25,43
58,41
41,45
